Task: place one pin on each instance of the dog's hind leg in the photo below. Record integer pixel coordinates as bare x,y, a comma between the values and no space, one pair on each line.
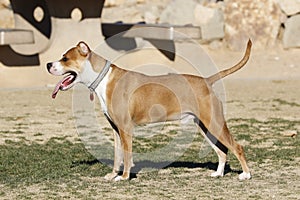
222,156
221,166
237,150
224,137
221,140
219,148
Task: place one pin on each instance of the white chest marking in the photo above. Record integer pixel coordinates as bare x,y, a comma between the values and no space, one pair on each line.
101,92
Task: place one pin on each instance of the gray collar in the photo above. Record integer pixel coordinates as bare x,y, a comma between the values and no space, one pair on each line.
100,77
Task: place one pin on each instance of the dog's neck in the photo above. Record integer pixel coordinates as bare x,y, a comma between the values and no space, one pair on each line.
97,68
91,69
100,77
97,62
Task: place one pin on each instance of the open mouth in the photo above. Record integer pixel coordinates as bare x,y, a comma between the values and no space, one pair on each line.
65,83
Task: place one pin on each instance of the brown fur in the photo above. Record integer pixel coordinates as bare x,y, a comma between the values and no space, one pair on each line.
133,98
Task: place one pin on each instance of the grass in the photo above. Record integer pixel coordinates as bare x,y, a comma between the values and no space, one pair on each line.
284,102
12,132
54,161
63,169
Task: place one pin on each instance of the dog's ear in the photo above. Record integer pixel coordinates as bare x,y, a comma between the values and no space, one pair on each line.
83,48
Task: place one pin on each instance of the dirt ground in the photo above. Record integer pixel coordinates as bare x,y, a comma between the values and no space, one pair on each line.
31,115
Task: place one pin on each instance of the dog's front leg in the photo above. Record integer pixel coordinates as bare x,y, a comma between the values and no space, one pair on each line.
126,140
118,157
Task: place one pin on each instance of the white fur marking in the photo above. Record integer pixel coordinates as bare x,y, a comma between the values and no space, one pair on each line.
88,75
118,178
220,170
110,176
57,69
244,176
186,118
101,91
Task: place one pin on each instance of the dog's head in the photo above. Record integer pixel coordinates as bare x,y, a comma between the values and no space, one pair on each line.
72,65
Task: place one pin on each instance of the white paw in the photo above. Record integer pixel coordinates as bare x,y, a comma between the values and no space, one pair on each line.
120,178
244,176
110,176
217,174
132,164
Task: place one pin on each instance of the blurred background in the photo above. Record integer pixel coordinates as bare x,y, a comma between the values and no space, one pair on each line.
273,26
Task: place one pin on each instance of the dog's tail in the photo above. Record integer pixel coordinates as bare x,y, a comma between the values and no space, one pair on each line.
212,79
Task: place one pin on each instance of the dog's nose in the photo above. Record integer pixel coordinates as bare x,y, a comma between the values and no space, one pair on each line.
49,65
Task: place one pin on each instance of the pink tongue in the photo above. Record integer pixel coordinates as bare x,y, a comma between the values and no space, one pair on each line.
57,88
61,84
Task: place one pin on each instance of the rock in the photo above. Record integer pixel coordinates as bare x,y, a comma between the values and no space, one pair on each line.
289,7
150,18
257,19
215,44
178,12
6,15
211,21
151,13
113,3
291,34
4,4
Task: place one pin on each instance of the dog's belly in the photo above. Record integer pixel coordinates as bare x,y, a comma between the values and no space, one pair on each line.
157,103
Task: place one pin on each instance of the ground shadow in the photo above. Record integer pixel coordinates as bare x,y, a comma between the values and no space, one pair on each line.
162,165
180,164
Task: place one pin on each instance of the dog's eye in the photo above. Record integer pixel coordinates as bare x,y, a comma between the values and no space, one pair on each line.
64,59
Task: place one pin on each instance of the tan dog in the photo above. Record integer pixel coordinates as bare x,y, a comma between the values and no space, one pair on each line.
129,98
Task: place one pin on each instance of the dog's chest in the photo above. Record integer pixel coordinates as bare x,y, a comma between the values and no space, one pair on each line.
101,92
